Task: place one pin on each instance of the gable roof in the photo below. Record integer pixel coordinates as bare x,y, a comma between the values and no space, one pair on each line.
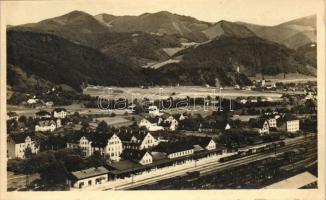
100,139
201,141
258,123
20,137
42,113
59,109
43,123
286,118
90,172
174,147
131,154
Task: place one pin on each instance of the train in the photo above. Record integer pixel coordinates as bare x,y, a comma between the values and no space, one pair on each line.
254,150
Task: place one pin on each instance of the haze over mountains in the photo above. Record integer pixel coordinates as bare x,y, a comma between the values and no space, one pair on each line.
111,50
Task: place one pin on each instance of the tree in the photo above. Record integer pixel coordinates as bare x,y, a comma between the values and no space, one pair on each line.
54,172
102,127
28,153
96,160
22,119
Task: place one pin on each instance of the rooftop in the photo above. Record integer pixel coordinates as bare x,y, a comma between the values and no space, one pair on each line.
294,182
90,172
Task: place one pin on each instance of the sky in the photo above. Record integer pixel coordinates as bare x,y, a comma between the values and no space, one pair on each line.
263,12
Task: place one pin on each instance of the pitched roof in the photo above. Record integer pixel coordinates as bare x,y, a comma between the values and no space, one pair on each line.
294,182
100,139
20,137
201,141
46,123
59,109
126,137
285,118
131,154
90,172
42,113
153,120
174,147
257,123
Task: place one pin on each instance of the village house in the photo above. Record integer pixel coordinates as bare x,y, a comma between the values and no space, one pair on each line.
260,125
49,104
151,124
214,125
142,157
206,143
108,145
171,123
154,111
17,145
272,119
138,141
288,123
88,177
60,113
175,149
32,101
43,115
45,125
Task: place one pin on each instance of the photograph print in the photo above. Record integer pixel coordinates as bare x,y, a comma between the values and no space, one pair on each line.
161,95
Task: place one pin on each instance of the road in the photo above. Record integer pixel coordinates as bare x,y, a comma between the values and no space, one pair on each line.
216,166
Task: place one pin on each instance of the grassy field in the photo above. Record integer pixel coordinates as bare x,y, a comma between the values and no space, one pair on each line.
176,92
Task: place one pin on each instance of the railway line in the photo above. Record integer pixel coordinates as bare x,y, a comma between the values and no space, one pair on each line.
215,166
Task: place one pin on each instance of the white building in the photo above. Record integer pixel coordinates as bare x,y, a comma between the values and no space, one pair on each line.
261,125
46,125
151,124
88,177
293,126
60,113
43,115
175,150
138,141
154,111
32,101
18,143
142,157
289,123
172,122
109,145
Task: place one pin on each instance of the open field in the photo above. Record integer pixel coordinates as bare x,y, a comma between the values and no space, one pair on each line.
175,92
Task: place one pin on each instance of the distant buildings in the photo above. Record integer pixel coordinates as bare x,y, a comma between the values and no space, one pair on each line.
18,145
260,124
60,113
289,123
142,157
137,141
151,124
43,115
175,150
108,145
46,125
154,111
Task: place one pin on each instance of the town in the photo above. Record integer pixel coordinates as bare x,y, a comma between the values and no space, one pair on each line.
163,143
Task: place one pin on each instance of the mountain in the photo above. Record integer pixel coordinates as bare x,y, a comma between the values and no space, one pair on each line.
60,61
74,22
227,29
130,48
308,53
158,23
293,34
220,58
